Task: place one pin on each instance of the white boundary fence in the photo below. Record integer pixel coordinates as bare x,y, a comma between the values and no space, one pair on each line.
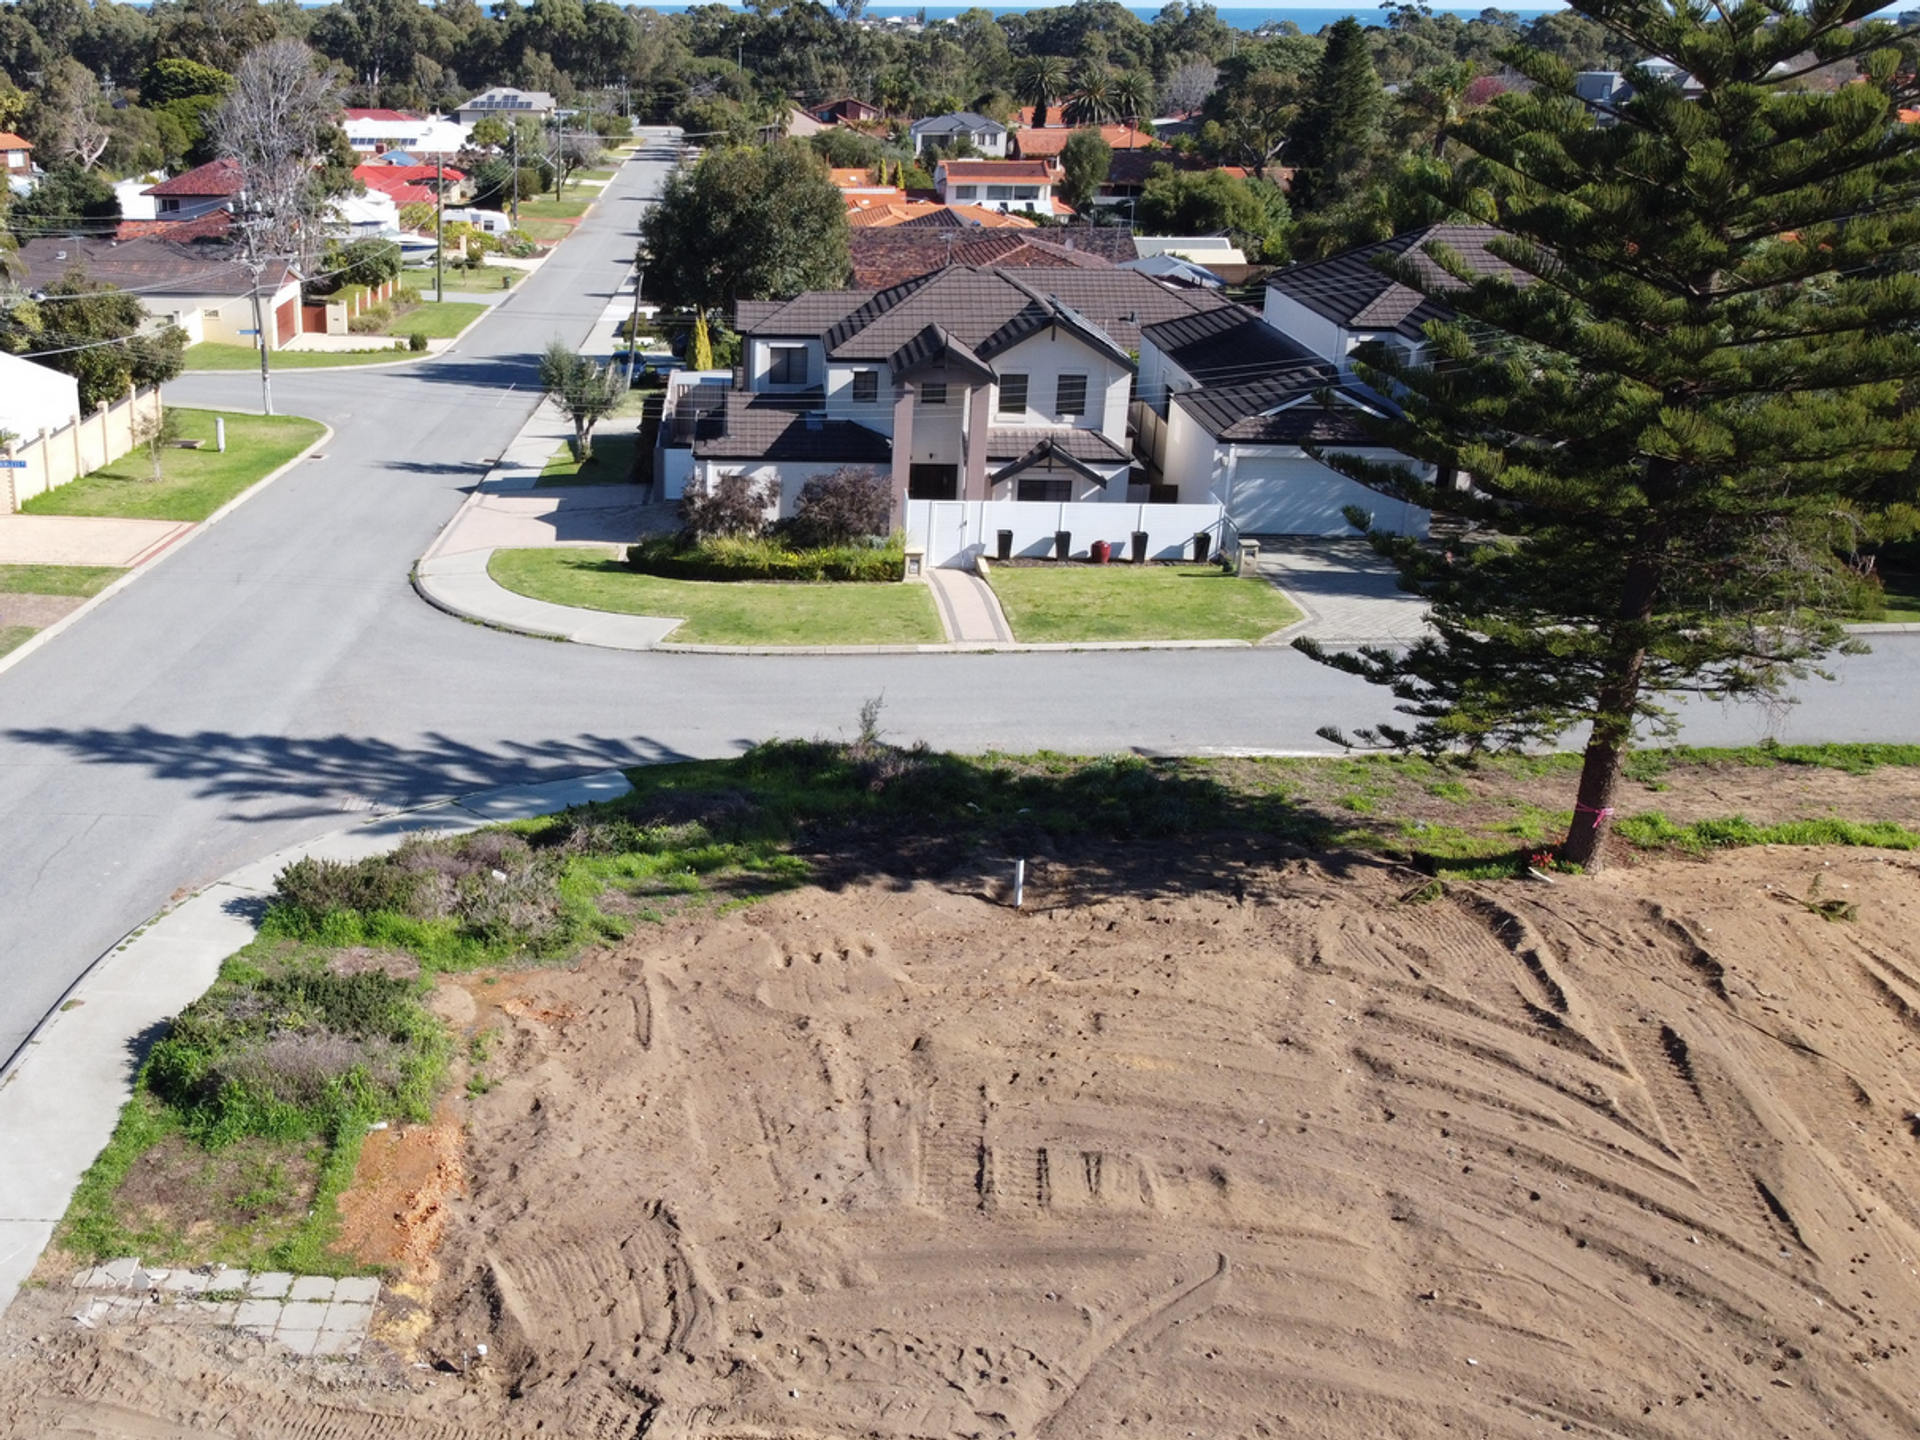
53,457
956,532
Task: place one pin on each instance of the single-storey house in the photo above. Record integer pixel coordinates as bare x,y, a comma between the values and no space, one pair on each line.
507,103
969,383
203,286
989,136
16,156
847,111
213,186
999,185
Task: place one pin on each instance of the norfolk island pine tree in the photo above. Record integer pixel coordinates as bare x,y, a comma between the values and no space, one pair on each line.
1692,401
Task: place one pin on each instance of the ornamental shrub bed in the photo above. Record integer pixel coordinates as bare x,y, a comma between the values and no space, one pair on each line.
757,558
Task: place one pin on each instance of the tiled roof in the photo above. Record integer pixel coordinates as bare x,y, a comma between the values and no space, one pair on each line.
378,173
953,121
1003,172
1281,411
211,226
153,267
217,177
1088,445
884,257
1352,291
357,112
11,141
754,427
1035,144
1232,345
930,214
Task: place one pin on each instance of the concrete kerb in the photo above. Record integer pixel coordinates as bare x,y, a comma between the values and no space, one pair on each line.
172,547
62,1092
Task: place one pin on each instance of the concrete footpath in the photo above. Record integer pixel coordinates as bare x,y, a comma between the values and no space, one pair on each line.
62,1096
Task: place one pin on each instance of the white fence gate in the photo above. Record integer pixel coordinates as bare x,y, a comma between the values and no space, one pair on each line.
956,532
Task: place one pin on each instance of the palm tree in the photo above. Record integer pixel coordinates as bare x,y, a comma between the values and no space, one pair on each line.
1133,96
1093,99
1040,81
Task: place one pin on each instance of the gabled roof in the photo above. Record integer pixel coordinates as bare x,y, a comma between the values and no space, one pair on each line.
883,257
1232,345
216,178
1053,139
210,226
934,349
1048,454
1350,290
505,97
11,141
357,112
1282,411
955,121
1022,446
153,267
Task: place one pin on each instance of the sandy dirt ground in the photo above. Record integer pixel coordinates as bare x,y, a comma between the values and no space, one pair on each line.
1627,1156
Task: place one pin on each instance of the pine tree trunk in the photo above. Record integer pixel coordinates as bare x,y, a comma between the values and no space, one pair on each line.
1612,728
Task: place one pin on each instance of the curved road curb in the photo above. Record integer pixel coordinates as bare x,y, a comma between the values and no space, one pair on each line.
62,1092
172,547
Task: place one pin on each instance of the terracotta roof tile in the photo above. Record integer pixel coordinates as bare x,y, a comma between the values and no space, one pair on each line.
887,256
216,177
1042,144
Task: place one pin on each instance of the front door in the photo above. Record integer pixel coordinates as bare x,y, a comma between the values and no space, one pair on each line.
933,482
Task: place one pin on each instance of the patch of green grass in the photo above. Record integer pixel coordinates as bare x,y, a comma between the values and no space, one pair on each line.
1654,831
1855,759
611,463
81,580
12,637
437,320
546,232
1137,602
1901,596
210,355
725,613
194,483
551,209
460,280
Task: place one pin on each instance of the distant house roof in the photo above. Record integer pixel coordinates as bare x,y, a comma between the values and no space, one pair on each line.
152,266
210,226
956,122
848,105
1037,144
505,97
888,256
354,112
999,171
217,178
1353,292
11,141
925,214
981,308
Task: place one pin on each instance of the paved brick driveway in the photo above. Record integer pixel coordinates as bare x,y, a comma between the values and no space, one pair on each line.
1349,593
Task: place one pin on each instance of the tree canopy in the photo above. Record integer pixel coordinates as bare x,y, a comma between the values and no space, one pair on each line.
1686,405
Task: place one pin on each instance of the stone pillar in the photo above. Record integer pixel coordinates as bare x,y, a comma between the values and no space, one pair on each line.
973,445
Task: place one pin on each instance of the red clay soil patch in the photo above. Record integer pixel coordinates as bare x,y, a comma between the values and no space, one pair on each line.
395,1212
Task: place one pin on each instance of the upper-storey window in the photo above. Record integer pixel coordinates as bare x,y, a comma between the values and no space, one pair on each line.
788,365
866,386
1013,395
1070,395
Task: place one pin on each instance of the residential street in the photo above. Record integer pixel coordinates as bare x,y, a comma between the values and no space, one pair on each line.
279,670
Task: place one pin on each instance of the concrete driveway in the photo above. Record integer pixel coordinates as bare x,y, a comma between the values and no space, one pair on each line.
1349,594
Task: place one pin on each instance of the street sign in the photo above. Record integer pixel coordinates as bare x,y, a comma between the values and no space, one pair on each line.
249,332
13,464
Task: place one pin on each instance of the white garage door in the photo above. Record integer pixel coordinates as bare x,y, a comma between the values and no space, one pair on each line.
1300,497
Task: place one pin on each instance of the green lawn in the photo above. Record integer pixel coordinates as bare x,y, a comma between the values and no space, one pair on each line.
212,356
612,463
1902,596
551,209
438,321
1047,604
546,232
737,613
462,281
12,637
194,483
81,580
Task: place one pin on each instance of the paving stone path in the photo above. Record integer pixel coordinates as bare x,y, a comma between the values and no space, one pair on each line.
309,1314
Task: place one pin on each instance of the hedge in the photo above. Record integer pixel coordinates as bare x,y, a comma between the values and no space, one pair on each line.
673,558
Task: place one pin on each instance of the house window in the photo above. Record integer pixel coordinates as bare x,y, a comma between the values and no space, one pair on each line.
1070,395
1055,492
789,365
1026,192
934,392
168,205
1013,394
933,482
866,386
999,192
211,314
966,192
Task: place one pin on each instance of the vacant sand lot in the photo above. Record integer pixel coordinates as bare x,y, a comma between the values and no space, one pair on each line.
1632,1156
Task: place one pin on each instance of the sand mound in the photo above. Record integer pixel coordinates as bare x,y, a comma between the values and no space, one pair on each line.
1632,1156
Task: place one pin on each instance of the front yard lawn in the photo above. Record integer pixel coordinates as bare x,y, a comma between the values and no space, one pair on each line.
725,613
210,355
462,281
81,580
1050,604
612,463
437,320
194,483
550,209
1902,594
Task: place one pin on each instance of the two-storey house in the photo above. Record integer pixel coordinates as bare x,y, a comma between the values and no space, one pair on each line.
986,135
967,383
999,185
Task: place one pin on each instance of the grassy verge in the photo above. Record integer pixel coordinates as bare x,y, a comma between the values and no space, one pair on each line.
725,613
546,232
1047,604
81,580
212,356
550,209
194,483
437,320
460,280
12,637
610,464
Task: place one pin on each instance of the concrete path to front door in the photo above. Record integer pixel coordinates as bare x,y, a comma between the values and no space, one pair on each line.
968,608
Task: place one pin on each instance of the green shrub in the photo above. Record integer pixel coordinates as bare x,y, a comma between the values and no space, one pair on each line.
407,295
416,342
757,558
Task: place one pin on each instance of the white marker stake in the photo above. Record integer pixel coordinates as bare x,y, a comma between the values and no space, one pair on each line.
1019,883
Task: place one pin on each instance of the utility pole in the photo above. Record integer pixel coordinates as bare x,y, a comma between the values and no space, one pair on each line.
440,232
516,176
257,266
633,325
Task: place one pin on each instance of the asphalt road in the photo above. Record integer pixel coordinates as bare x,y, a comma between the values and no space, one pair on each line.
278,674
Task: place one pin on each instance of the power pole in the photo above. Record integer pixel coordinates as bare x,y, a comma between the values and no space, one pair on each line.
440,232
633,325
516,176
257,266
